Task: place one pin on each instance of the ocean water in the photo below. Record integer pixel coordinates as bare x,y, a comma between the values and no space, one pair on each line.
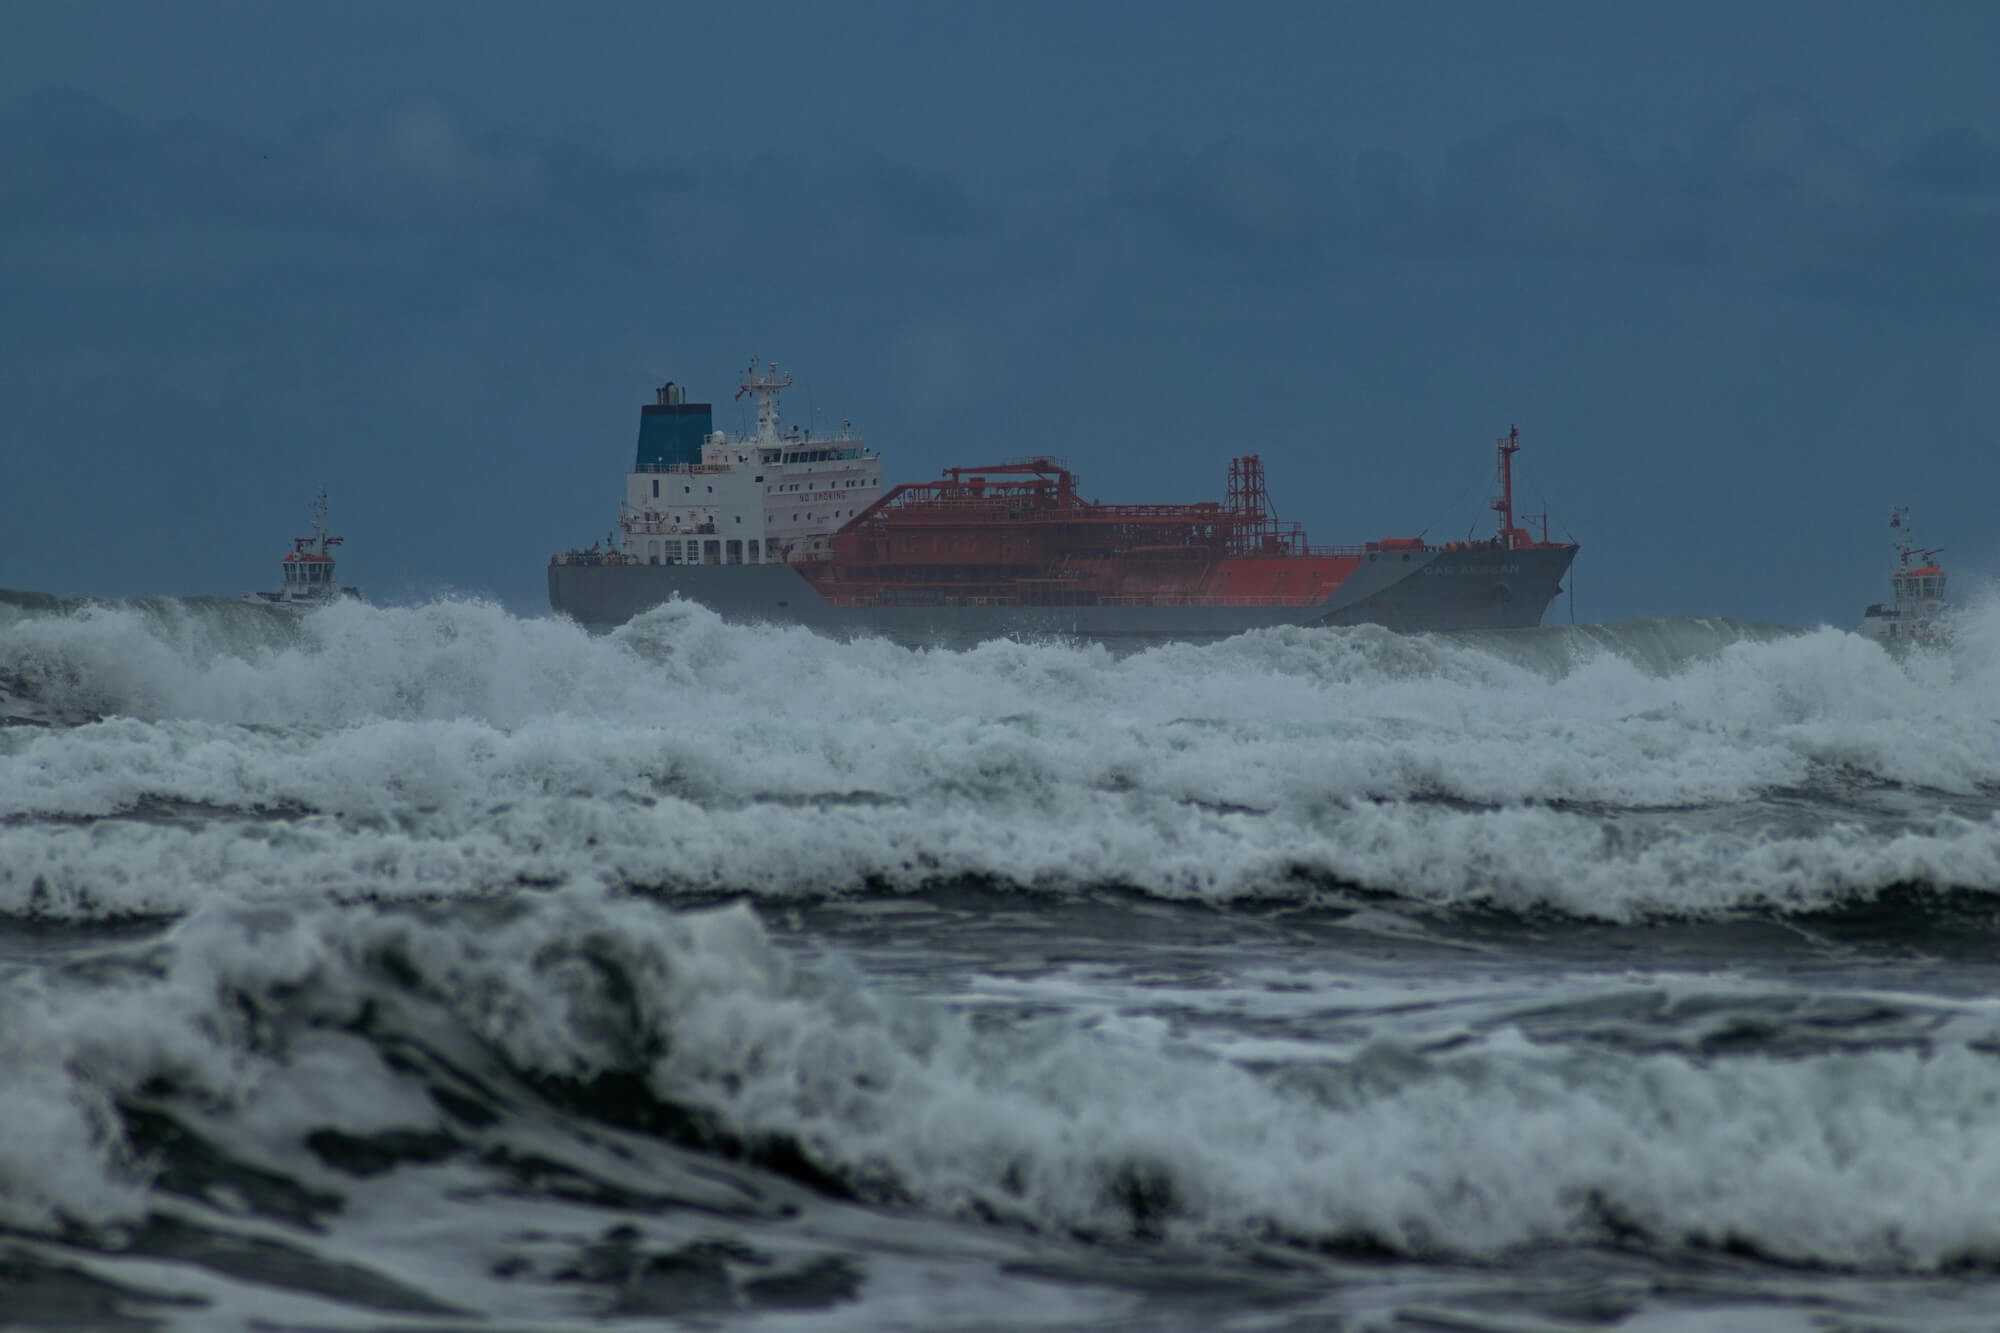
430,967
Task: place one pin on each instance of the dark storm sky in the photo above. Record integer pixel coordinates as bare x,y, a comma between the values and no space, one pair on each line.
1734,269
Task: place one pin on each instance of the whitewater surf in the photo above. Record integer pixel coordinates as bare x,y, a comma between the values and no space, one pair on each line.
427,965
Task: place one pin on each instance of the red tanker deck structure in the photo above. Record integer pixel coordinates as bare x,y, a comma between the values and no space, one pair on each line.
1021,534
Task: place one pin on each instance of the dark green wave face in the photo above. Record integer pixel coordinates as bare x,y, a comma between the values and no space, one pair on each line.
429,963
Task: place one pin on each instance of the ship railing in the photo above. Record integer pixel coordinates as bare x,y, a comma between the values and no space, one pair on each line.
965,496
1046,463
1286,551
795,437
998,498
996,501
639,527
589,558
833,450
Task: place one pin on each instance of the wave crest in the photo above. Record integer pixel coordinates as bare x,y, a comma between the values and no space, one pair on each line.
297,1040
453,749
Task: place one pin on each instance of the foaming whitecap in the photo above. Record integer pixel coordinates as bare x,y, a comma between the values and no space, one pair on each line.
293,1036
452,749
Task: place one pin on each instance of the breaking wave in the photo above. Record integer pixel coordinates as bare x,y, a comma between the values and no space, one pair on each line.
363,965
294,1058
170,751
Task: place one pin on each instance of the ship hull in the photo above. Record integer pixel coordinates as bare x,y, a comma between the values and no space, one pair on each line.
1475,588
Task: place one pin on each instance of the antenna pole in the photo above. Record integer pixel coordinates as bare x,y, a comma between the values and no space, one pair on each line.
765,386
1506,447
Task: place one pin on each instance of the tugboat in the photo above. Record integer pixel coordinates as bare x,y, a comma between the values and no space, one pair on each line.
308,569
1917,615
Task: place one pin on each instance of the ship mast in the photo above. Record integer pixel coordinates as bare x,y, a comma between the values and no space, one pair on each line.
1249,505
319,543
1906,545
1507,446
765,386
1908,553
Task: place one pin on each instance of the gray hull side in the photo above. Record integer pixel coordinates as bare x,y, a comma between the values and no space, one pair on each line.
1408,591
1483,588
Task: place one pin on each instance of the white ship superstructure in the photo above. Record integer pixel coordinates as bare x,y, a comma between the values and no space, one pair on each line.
773,497
1917,612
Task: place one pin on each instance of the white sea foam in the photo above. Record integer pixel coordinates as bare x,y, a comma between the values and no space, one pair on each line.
452,748
1877,1159
1880,1159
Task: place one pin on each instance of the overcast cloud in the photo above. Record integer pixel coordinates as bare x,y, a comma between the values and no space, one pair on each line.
1735,318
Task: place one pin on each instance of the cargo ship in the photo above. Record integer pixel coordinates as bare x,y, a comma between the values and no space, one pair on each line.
1917,613
793,526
